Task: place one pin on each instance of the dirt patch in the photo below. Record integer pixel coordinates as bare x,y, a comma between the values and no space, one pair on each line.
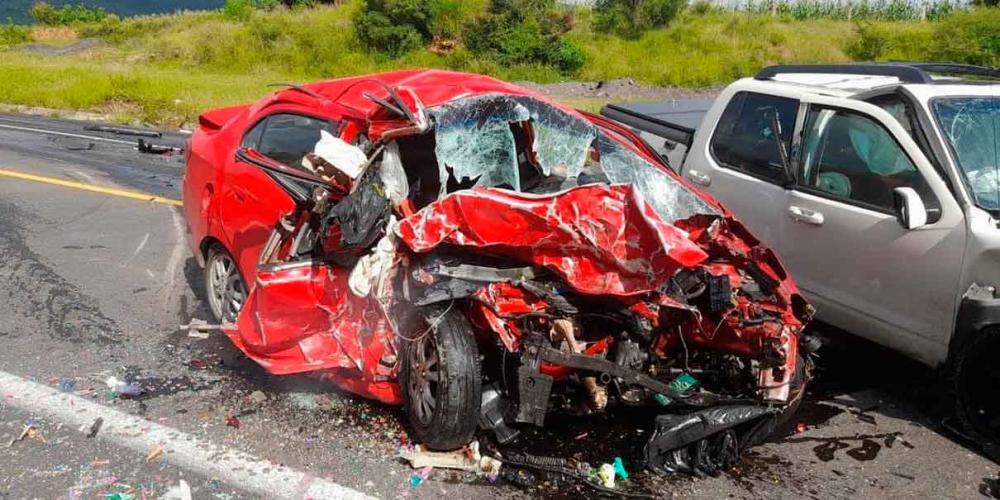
54,34
47,49
121,107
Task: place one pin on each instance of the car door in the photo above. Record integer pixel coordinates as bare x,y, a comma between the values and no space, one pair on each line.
253,202
741,163
843,241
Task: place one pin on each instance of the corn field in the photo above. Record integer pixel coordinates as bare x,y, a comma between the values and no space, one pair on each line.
874,10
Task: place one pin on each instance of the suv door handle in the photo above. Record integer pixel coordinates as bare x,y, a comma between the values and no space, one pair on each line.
805,215
698,177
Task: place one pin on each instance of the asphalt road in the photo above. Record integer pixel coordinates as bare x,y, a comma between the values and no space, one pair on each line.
94,285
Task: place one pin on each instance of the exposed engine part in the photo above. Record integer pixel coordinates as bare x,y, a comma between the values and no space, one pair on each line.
533,390
491,414
720,293
600,365
597,395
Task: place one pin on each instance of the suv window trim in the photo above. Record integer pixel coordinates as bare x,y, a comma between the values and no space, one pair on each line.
791,149
852,202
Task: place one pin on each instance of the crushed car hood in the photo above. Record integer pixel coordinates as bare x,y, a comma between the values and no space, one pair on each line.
599,239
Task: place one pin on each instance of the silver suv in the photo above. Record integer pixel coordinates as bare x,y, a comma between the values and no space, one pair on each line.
879,187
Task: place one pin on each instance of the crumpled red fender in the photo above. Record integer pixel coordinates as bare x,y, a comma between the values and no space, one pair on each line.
599,239
300,318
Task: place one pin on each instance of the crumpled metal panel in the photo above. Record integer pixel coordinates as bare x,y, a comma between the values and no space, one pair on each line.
599,239
303,318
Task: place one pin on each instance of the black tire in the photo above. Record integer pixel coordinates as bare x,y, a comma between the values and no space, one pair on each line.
227,294
443,409
976,384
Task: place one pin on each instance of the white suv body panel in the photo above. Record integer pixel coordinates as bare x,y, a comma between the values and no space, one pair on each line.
862,270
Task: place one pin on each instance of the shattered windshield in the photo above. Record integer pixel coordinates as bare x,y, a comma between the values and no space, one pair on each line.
521,143
972,127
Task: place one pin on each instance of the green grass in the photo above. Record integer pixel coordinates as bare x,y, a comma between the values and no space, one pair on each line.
166,69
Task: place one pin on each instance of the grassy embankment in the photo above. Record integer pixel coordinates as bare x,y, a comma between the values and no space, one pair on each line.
165,69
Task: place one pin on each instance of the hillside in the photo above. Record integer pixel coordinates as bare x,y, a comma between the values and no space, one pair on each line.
165,69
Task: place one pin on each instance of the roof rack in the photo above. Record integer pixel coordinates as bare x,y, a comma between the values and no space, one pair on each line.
906,72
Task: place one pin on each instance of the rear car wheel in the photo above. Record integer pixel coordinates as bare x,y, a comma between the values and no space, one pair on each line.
441,381
224,285
977,385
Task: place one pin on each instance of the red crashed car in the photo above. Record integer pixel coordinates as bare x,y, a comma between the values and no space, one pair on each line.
494,256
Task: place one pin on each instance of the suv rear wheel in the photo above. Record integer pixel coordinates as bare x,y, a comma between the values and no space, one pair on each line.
977,386
441,382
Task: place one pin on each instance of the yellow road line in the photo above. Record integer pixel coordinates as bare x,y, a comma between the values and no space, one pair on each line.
90,187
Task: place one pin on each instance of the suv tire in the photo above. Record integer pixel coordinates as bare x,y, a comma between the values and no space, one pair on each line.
976,382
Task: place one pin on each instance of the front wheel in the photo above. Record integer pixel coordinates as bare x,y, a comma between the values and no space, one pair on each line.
441,382
976,376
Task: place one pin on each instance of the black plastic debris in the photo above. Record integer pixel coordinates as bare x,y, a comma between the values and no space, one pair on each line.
154,149
706,441
110,129
362,216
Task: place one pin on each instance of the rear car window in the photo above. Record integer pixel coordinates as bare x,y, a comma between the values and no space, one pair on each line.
745,139
287,138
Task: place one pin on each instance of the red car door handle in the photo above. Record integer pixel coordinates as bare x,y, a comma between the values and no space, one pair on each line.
240,194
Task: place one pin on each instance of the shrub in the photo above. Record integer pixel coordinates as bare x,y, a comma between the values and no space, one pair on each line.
630,18
48,15
966,36
394,27
971,36
525,32
238,10
12,34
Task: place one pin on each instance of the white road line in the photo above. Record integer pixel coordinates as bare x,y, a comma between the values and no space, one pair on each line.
142,244
67,134
235,468
176,255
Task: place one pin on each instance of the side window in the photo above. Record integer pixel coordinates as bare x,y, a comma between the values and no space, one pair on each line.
252,138
746,139
287,138
851,157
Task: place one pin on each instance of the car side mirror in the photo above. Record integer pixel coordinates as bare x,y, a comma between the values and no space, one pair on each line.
909,207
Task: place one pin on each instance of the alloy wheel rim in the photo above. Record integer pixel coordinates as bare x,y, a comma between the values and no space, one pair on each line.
424,378
227,292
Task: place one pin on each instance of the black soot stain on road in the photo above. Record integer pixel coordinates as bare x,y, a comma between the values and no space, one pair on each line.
36,291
